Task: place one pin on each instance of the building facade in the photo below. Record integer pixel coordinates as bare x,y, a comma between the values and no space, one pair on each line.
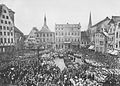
67,36
111,33
100,43
84,39
19,39
101,26
116,20
6,28
31,38
45,37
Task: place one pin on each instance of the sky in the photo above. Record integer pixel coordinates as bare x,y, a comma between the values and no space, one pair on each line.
30,13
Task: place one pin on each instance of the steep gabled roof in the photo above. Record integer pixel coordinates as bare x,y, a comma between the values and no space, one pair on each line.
107,18
17,30
45,29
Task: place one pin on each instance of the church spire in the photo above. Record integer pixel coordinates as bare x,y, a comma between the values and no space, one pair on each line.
90,21
45,23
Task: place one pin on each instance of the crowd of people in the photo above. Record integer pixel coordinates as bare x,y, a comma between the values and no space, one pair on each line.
43,71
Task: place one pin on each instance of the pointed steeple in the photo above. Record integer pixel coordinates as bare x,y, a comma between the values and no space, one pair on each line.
90,21
45,23
45,27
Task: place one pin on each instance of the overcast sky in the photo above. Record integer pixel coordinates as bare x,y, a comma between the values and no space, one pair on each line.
30,13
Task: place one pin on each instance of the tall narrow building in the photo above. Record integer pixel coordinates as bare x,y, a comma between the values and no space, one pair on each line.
6,29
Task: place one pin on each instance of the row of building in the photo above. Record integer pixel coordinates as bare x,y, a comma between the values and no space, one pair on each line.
11,38
105,35
66,36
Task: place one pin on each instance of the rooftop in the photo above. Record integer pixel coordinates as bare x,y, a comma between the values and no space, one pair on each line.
107,18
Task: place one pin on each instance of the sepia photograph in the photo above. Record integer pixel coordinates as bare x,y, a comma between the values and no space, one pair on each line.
59,42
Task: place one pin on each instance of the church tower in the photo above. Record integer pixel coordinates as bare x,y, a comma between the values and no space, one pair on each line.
89,25
90,21
45,23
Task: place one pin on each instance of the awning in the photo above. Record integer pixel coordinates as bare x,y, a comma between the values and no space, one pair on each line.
91,47
115,52
110,51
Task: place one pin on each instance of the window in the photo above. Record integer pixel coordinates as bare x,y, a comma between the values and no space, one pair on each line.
47,35
101,42
116,34
8,33
4,27
59,40
5,33
75,40
119,34
0,27
5,11
4,40
3,16
5,22
9,22
43,40
11,28
68,33
11,34
7,17
43,35
72,33
119,25
56,33
37,35
116,43
11,40
1,40
7,28
8,40
51,35
119,44
1,21
0,33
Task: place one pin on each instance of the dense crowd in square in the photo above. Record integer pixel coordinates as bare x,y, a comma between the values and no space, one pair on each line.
43,71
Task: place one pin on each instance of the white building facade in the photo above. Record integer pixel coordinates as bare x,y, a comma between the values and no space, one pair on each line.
67,36
6,28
